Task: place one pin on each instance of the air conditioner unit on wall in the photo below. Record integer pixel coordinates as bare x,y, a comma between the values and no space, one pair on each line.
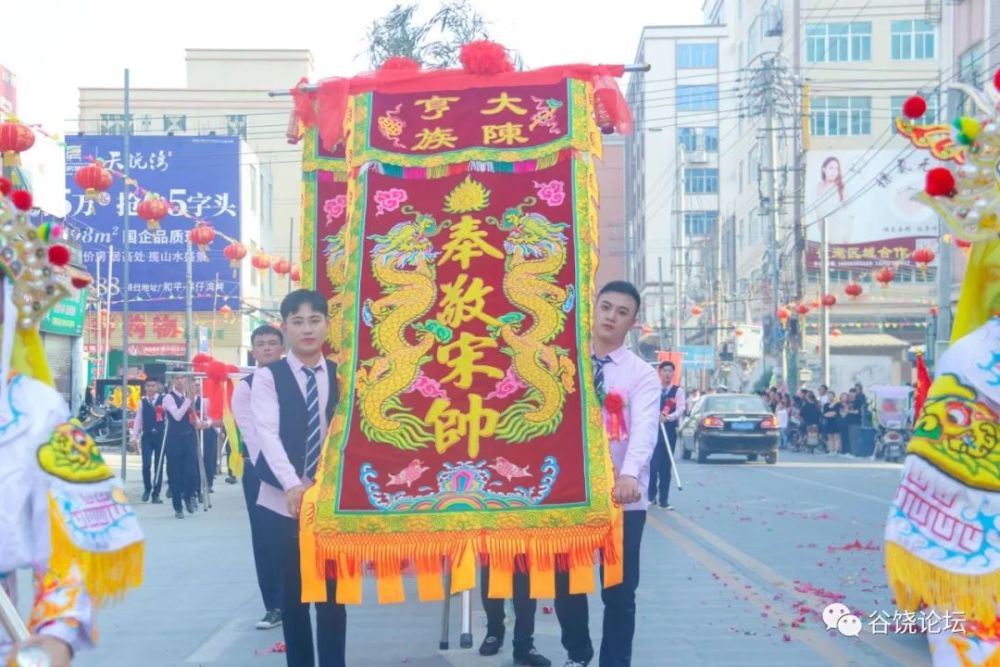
696,157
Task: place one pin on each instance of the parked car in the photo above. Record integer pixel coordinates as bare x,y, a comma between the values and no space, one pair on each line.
730,424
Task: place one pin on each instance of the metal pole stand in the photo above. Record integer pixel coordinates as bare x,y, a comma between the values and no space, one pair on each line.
466,639
446,612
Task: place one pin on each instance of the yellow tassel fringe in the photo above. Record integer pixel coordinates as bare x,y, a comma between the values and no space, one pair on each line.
917,583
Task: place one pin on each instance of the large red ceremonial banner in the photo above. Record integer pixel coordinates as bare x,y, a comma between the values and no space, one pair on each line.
455,240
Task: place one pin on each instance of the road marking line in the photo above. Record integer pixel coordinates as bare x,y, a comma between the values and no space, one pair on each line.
904,655
820,643
866,496
216,644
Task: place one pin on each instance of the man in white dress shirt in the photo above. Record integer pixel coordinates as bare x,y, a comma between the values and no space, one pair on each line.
672,408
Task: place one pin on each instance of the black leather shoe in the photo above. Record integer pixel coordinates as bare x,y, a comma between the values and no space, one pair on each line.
156,500
189,504
145,496
532,658
491,645
179,515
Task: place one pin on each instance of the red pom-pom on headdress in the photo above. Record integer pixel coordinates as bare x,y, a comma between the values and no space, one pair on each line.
58,255
5,186
22,199
914,107
996,80
485,57
401,63
940,182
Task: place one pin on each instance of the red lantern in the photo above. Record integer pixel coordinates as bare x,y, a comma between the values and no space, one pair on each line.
225,310
963,244
282,267
234,252
261,262
835,332
884,276
153,209
829,300
296,274
783,314
738,332
646,330
94,179
802,309
202,236
815,304
933,311
922,257
696,310
853,290
15,138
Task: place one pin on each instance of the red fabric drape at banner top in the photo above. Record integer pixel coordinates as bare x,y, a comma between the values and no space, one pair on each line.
325,108
676,358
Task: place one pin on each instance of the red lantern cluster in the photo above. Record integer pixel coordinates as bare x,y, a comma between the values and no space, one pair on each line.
15,138
282,267
261,262
922,257
853,290
885,276
830,300
234,252
153,209
94,179
202,236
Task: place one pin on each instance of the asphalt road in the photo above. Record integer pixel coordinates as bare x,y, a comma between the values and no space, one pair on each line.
738,574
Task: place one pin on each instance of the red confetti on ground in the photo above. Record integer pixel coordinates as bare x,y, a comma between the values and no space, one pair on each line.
856,545
786,637
276,647
548,609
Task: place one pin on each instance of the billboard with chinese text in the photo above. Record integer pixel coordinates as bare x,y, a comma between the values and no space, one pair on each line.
866,200
200,176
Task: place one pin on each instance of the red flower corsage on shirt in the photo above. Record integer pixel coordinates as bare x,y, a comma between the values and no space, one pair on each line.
669,407
614,408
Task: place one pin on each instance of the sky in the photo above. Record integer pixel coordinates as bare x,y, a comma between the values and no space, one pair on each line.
59,46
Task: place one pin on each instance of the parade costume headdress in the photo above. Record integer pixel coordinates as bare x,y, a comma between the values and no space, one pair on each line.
54,466
943,534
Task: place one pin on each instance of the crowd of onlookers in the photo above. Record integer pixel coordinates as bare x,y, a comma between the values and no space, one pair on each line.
837,419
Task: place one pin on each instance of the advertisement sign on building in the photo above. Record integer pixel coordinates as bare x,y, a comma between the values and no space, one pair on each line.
698,357
200,176
67,316
867,203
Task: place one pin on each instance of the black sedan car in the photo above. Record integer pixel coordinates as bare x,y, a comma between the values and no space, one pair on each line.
730,424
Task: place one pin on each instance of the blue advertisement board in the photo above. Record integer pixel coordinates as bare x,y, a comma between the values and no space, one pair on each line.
199,176
698,357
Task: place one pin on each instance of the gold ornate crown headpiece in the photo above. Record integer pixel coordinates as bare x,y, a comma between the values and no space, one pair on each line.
32,259
965,193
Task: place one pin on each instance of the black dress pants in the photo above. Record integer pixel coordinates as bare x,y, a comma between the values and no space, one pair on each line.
524,610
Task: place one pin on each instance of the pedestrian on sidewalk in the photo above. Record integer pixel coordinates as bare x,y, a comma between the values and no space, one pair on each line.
831,424
148,430
617,370
784,406
293,400
267,345
182,446
672,407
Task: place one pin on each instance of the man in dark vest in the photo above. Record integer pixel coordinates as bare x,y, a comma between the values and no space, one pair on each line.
293,401
267,345
182,446
672,407
148,430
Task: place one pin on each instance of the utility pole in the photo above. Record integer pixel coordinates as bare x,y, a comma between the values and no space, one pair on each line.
126,158
717,313
663,304
775,259
189,301
824,312
679,248
798,184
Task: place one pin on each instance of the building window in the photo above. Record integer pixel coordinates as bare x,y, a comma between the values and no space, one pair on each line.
838,42
236,125
700,223
841,116
112,123
698,98
912,40
699,138
174,122
697,56
701,181
970,71
930,116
